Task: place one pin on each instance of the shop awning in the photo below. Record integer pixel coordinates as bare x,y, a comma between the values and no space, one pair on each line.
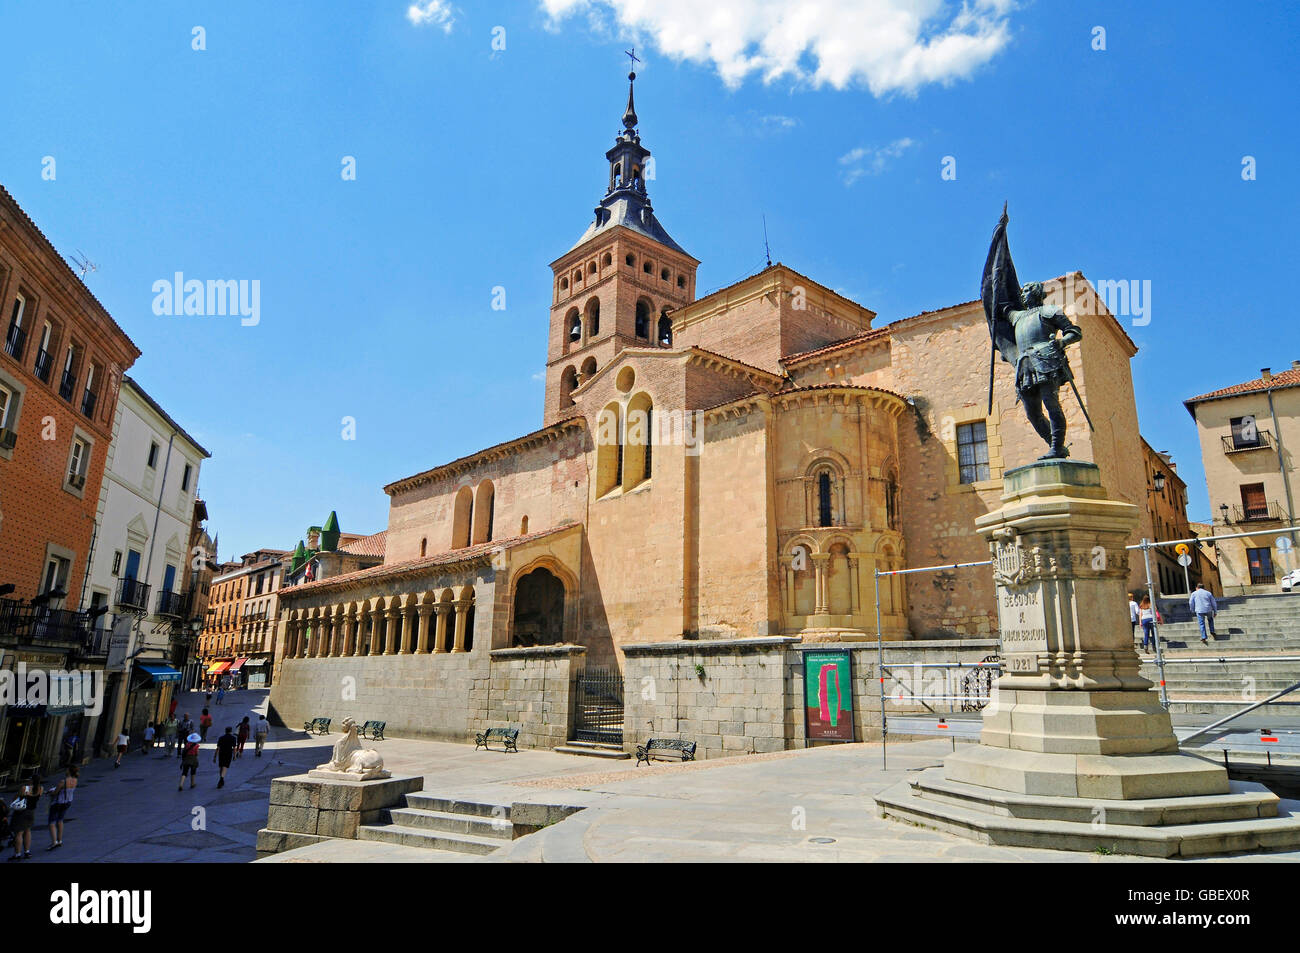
159,673
255,663
216,668
239,663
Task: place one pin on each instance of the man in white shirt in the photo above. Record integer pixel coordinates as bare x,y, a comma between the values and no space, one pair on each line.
1133,615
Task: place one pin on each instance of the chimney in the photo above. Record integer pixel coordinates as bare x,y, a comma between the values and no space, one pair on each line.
1295,365
1266,373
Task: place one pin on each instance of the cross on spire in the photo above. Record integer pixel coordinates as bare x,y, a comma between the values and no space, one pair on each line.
629,116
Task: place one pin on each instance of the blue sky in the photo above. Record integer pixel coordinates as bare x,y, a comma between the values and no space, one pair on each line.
476,167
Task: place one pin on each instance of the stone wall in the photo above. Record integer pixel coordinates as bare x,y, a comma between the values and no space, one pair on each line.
532,688
438,697
748,698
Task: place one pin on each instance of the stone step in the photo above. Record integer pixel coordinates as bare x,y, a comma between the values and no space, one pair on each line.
591,750
435,803
904,803
428,839
498,827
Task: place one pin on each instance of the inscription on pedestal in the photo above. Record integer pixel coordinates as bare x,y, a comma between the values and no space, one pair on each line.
1022,620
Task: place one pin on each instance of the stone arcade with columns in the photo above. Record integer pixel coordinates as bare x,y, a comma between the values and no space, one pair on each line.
716,482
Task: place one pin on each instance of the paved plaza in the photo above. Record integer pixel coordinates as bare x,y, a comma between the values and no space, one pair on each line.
809,805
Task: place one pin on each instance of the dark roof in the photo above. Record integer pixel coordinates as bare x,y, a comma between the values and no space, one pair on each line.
633,215
135,386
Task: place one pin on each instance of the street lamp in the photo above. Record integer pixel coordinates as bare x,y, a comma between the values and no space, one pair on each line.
1160,482
1223,508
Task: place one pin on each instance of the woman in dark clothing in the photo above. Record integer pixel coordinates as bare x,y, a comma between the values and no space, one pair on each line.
24,815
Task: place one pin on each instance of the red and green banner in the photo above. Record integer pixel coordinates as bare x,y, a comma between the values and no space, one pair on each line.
828,695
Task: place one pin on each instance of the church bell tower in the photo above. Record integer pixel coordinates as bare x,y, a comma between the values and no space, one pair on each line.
613,289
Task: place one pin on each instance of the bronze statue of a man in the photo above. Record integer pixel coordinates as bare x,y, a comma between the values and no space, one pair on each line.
1024,333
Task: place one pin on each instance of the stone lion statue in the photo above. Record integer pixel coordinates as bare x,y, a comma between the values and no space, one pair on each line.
352,759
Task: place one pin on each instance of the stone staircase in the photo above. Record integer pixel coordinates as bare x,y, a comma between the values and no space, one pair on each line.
593,749
439,823
1208,679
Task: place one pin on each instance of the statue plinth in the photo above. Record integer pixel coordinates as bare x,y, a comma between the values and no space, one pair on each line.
1071,718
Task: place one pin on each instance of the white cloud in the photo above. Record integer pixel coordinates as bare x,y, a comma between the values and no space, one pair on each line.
887,45
439,13
872,160
539,376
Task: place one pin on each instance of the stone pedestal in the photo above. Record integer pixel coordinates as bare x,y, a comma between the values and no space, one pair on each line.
1076,750
305,809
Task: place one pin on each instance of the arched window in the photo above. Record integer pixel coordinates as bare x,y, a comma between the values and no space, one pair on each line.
564,284
483,511
574,321
665,330
593,318
618,176
607,260
638,438
891,501
568,384
824,504
462,518
681,281
824,485
630,260
523,526
591,267
539,609
663,275
424,547
643,311
609,449
588,369
648,267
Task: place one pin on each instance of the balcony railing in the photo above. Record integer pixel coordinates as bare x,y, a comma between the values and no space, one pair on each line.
171,605
1235,444
67,384
132,595
98,643
14,341
1258,513
15,618
88,399
8,438
44,362
60,625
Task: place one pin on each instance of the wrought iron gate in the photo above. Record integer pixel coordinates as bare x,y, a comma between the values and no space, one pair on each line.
598,712
977,686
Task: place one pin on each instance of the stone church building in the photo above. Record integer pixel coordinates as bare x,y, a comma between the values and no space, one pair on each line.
715,483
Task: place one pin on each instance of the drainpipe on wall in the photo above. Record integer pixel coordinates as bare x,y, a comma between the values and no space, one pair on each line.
1281,460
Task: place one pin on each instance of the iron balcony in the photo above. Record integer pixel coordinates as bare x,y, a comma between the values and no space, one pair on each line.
1259,513
171,605
132,595
44,363
88,399
1233,444
67,384
14,341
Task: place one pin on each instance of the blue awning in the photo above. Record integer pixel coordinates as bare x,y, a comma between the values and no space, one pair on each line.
159,673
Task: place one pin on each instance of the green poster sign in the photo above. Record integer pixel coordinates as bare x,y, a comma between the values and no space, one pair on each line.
828,695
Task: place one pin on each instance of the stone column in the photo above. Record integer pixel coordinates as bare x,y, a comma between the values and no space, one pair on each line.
376,630
349,633
440,630
855,584
820,562
391,634
462,616
408,630
300,637
424,610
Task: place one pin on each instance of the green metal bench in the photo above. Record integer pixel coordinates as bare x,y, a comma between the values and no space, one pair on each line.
374,730
507,737
317,726
685,750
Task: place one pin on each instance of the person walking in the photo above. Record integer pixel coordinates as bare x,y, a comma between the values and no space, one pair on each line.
150,732
1147,617
185,729
122,741
260,731
189,758
224,754
1133,615
23,807
61,800
1202,603
169,735
221,694
205,724
245,729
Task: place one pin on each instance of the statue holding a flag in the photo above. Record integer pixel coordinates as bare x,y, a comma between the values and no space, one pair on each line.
1024,332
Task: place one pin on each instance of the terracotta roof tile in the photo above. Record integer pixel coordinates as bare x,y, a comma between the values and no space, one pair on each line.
836,346
1287,378
372,545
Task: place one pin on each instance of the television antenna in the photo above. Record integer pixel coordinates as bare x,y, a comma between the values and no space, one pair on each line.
83,263
767,249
